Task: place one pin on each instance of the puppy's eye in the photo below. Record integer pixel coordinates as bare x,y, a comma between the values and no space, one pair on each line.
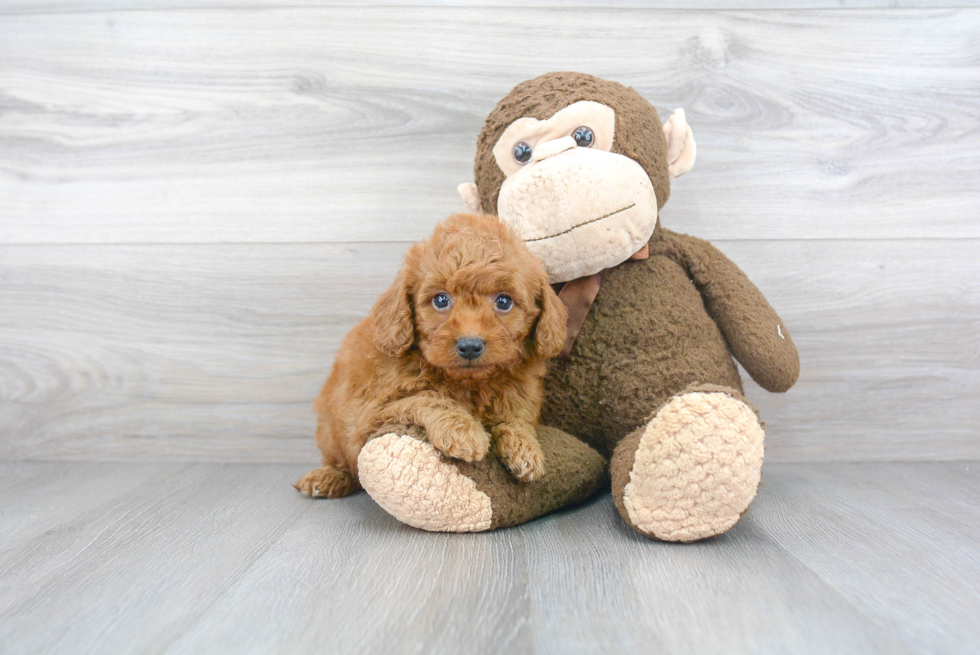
583,137
442,301
503,302
522,153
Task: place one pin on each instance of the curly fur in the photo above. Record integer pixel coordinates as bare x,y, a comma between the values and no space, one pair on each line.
400,365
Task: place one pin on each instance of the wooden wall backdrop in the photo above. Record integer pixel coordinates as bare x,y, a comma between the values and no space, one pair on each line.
197,202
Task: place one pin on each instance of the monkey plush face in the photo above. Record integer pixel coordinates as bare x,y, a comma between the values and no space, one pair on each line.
578,167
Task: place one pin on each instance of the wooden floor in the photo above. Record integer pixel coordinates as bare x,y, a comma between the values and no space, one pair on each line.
201,558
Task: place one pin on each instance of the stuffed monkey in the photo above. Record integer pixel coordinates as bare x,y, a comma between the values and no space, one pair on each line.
579,167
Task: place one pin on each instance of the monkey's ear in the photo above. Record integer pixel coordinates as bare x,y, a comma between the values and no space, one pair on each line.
471,197
681,149
549,333
394,328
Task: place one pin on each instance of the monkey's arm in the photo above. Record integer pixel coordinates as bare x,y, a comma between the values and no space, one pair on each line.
755,333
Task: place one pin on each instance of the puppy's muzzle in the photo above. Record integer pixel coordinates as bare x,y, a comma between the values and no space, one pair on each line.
469,347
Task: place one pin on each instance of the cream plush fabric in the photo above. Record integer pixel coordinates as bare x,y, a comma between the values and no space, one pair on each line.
413,482
580,211
697,467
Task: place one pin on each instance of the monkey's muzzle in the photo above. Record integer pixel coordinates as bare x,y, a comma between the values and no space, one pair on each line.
580,211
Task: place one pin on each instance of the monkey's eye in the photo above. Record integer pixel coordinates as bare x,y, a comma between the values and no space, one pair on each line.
442,301
522,153
583,137
503,302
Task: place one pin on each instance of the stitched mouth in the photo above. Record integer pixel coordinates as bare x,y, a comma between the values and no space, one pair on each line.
588,222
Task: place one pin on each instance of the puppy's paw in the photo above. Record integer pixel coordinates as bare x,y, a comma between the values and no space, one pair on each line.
522,457
326,482
470,443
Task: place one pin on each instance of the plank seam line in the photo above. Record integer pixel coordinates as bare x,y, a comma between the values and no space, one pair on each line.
447,8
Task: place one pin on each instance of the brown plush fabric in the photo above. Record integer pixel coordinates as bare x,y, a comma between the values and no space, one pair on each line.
639,132
756,335
620,466
573,472
647,337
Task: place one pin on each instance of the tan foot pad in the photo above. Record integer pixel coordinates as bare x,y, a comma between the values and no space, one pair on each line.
696,469
414,483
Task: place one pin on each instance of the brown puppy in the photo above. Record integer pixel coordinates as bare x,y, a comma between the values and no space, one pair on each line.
456,346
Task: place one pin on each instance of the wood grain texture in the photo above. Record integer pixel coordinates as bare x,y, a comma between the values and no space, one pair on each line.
355,124
214,353
142,564
860,558
739,593
887,538
81,6
191,347
39,497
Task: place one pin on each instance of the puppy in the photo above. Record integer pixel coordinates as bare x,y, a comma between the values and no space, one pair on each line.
456,346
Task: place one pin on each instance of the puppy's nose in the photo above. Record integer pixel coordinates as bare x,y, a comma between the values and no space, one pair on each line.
469,347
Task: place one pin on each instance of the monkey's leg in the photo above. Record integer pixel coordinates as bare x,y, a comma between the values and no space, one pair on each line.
691,471
413,482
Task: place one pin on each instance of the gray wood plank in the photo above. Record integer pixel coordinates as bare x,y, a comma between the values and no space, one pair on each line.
254,125
79,6
740,593
348,578
575,582
35,497
888,334
193,347
214,353
228,558
899,557
132,573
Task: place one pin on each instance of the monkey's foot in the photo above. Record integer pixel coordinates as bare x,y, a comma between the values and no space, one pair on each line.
692,470
417,485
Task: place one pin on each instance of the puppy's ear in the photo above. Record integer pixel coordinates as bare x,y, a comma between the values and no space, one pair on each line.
550,331
394,328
